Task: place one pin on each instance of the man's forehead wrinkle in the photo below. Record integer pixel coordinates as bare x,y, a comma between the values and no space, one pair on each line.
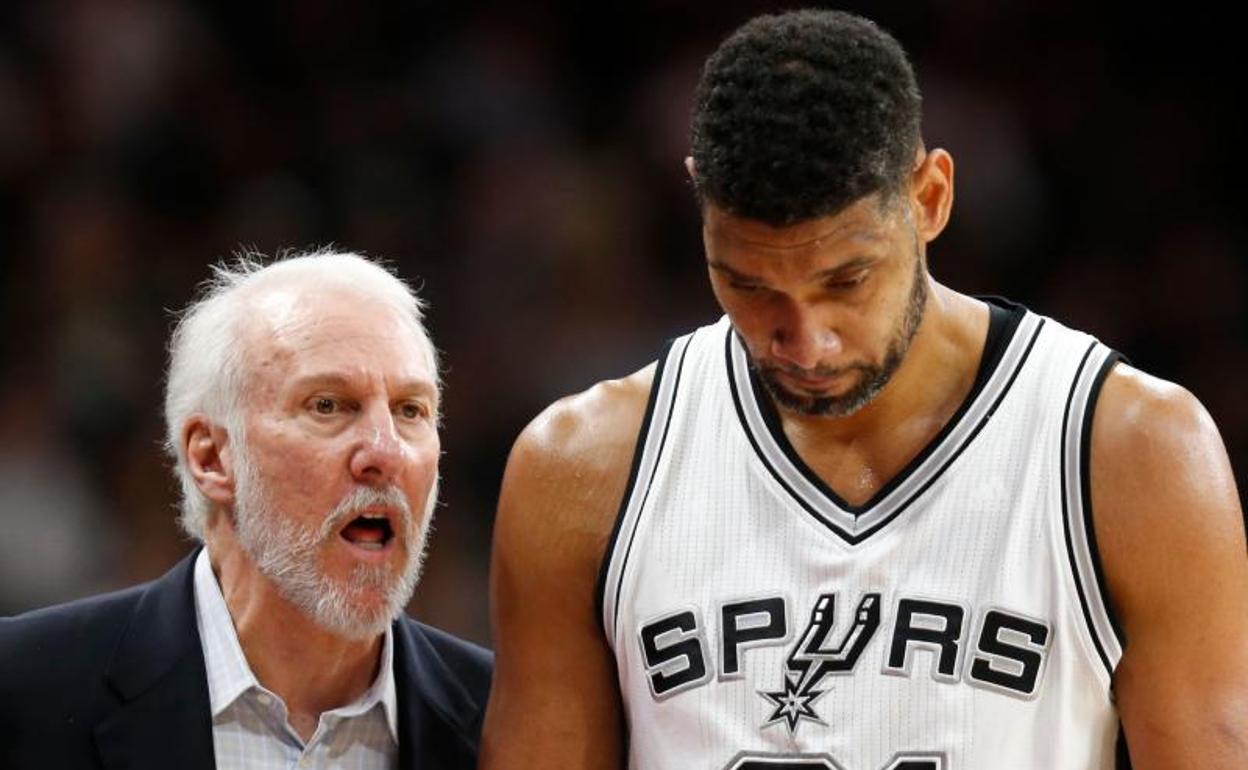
296,328
301,363
313,335
851,225
295,346
806,245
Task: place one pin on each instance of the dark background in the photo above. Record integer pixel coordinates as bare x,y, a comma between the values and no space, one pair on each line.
523,165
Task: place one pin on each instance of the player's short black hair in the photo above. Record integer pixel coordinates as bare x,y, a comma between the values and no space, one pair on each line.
798,115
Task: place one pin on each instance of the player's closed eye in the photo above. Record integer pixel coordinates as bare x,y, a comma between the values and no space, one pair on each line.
845,283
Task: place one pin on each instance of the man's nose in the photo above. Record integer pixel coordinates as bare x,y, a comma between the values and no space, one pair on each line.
800,338
377,454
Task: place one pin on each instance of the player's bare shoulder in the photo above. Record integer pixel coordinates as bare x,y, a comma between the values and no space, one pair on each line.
555,701
1161,484
568,469
1146,426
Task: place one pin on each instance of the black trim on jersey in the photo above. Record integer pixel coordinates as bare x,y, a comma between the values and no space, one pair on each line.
1122,757
1002,323
1085,460
1004,319
1070,546
749,435
600,585
654,389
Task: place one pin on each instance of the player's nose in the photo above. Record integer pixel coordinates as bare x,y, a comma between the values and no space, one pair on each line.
802,339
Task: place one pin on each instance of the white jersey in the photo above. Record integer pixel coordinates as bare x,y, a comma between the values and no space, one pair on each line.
956,620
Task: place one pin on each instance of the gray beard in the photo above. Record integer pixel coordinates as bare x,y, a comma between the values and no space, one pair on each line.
287,554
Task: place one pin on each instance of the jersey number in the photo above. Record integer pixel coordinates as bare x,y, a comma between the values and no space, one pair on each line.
824,762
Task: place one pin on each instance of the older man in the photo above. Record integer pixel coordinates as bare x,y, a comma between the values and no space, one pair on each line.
301,408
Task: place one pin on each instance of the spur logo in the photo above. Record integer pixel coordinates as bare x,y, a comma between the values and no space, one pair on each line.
812,659
994,649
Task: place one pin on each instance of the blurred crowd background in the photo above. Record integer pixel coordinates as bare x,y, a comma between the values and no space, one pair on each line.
522,164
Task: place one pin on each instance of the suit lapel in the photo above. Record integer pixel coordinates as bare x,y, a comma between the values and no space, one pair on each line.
433,732
158,674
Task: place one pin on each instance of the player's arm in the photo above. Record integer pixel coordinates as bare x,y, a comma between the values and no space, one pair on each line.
1171,537
555,700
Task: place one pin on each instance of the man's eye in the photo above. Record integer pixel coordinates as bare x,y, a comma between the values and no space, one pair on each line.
846,283
413,411
325,405
744,287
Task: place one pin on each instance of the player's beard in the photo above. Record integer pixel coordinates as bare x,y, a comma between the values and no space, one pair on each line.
288,554
872,377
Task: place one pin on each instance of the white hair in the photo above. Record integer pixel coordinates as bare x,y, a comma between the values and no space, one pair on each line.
207,373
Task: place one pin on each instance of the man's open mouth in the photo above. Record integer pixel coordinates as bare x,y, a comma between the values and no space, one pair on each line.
371,531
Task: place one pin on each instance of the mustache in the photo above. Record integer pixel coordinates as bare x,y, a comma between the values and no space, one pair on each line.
363,497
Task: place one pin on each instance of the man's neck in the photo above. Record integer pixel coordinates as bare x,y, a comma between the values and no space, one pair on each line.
858,454
309,668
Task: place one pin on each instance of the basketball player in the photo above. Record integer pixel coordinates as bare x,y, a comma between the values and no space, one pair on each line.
863,522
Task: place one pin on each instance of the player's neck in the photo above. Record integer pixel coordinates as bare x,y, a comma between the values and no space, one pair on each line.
859,453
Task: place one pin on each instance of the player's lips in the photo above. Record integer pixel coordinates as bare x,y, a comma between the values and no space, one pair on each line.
811,384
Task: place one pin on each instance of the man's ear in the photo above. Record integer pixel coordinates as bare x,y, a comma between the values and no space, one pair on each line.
690,168
931,192
209,459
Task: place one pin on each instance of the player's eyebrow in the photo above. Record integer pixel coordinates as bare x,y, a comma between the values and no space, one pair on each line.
857,263
730,271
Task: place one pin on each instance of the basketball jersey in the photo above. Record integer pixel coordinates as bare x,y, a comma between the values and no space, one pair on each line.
956,620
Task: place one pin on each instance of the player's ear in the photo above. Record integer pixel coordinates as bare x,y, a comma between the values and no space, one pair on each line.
690,169
208,458
931,192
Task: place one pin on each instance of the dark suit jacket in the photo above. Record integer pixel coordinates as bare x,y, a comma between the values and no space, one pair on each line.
118,681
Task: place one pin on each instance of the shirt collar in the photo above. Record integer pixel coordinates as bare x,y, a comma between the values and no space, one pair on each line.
229,675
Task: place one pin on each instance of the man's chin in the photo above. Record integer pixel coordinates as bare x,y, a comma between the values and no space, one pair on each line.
842,402
358,628
355,612
818,406
358,598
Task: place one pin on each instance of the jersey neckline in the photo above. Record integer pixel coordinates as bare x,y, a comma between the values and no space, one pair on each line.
1011,336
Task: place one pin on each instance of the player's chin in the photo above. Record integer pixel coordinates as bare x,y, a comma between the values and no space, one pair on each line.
819,405
797,393
830,387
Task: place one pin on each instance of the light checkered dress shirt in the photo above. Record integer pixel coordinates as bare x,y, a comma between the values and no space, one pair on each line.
249,723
